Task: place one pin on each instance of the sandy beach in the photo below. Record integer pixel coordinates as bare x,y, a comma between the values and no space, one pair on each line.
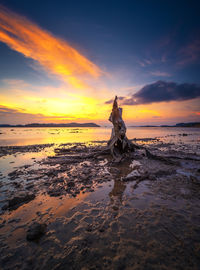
64,206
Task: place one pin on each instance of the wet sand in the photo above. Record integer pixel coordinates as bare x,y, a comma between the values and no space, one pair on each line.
140,214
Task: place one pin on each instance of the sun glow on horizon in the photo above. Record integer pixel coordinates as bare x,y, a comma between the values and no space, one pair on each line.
83,86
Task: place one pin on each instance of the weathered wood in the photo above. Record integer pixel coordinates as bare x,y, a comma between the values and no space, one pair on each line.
119,144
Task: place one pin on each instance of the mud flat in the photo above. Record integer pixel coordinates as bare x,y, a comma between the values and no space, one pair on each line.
67,207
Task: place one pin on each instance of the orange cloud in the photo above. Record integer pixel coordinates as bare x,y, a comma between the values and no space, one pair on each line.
52,53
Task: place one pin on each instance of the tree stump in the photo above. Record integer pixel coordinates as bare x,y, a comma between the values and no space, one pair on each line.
119,144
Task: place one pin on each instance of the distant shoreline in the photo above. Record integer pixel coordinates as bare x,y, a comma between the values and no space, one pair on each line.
78,125
36,125
191,124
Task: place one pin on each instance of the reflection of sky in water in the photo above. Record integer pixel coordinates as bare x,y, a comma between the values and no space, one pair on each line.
27,136
9,162
44,208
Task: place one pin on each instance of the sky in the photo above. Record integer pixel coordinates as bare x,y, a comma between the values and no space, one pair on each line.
64,61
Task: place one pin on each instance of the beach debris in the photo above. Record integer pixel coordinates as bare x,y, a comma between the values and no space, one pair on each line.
35,231
119,143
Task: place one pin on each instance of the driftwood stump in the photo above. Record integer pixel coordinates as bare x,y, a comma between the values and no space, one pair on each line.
119,144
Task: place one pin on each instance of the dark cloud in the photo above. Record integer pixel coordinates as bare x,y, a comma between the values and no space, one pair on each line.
163,91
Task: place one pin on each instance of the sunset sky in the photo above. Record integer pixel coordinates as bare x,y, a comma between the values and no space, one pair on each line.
64,61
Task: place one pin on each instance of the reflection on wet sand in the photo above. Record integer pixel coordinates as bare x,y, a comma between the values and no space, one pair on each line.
117,191
44,209
119,171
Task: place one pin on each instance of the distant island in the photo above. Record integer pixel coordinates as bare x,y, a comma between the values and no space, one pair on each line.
190,124
32,125
53,125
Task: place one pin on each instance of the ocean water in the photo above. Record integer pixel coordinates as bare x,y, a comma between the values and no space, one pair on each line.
31,136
